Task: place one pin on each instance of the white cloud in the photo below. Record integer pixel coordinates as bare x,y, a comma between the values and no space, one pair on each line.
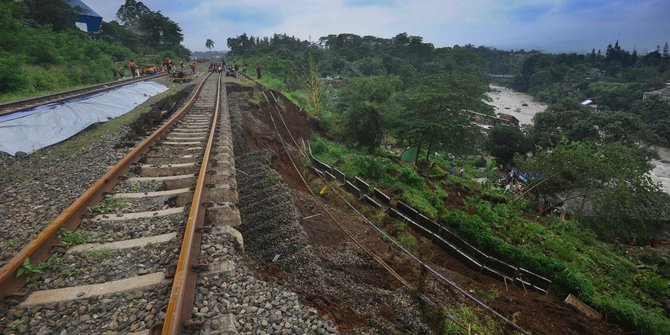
552,25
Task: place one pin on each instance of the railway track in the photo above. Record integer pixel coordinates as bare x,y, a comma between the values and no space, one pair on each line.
123,257
20,105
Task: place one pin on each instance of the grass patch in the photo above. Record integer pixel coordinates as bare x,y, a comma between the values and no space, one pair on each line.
30,271
401,180
474,322
631,292
14,326
12,242
269,179
405,238
70,272
98,254
570,255
69,238
108,205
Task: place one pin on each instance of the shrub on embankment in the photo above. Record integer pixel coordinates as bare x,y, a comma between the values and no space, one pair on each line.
588,269
604,275
35,58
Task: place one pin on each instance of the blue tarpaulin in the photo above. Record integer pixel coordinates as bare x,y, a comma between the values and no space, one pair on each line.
42,126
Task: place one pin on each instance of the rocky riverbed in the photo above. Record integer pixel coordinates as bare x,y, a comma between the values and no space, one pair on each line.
505,100
661,171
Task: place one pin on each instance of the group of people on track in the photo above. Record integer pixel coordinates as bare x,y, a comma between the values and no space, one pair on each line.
232,70
168,65
135,71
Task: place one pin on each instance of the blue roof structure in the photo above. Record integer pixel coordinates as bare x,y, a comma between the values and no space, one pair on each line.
88,16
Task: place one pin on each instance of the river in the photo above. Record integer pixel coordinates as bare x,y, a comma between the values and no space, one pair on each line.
508,101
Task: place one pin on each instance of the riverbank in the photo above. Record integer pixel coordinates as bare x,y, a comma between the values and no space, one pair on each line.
661,171
508,101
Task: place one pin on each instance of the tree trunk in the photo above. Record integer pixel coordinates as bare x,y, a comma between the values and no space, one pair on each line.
430,147
418,149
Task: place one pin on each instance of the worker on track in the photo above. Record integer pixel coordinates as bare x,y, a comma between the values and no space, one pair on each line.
168,64
133,68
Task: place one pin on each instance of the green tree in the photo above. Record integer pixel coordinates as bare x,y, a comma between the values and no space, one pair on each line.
160,30
59,14
506,141
113,32
432,112
573,122
209,44
313,87
365,99
131,11
604,185
655,113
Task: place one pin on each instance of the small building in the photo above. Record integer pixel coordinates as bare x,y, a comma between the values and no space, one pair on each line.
508,119
88,20
590,103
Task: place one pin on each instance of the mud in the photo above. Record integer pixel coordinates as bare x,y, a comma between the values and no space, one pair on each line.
312,257
320,262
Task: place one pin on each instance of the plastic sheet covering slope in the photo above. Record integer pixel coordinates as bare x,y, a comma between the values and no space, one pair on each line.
42,126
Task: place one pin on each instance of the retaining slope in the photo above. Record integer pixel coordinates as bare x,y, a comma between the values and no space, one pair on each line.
440,235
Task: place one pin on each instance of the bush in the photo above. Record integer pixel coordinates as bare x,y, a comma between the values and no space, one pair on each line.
408,176
12,75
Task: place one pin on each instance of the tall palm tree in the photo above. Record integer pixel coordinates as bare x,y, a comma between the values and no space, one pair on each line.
209,44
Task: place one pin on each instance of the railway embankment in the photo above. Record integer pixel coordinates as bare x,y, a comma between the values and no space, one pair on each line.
37,187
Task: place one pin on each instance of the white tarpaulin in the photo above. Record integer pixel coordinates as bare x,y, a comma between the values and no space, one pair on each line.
42,126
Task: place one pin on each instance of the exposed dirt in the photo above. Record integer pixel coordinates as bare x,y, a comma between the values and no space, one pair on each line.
320,262
456,195
159,112
311,256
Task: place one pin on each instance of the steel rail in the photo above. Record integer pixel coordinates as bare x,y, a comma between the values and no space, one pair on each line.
38,249
17,106
182,293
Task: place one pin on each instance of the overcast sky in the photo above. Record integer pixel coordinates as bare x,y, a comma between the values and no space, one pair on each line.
548,25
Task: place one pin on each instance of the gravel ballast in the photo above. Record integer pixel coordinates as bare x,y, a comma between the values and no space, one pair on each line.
37,188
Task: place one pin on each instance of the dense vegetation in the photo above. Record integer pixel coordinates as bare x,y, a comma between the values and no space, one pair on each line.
380,95
615,82
41,50
391,86
629,289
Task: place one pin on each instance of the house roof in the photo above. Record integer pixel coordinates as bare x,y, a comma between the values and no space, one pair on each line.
88,20
86,10
508,117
